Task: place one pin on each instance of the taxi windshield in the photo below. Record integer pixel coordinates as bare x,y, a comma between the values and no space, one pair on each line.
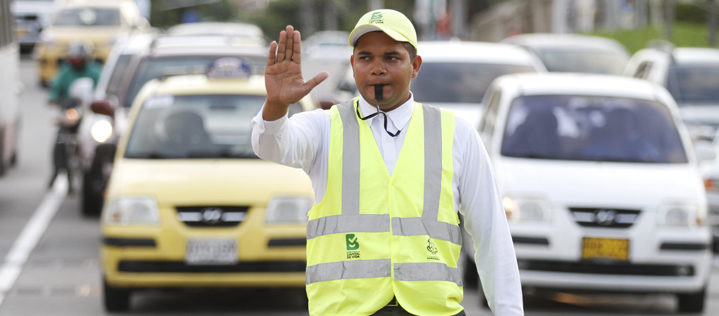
194,126
458,82
88,17
591,128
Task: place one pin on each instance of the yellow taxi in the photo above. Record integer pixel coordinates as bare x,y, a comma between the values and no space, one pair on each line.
188,203
94,22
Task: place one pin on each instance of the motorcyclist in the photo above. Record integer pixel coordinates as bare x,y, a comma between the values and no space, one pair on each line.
78,65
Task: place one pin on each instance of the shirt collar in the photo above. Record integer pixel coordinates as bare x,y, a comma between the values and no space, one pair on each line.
399,116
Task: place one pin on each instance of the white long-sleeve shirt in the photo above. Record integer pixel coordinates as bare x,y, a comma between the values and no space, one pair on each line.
303,142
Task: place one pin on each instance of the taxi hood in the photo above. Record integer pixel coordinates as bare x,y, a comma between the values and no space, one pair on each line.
232,181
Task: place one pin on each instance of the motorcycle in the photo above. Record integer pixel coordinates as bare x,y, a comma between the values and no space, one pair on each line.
65,154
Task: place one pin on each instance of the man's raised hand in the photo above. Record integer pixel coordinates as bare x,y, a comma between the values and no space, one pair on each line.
283,75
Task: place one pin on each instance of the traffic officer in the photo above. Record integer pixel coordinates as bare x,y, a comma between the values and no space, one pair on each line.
391,177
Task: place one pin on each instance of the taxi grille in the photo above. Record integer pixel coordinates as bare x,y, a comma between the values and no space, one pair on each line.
604,217
211,216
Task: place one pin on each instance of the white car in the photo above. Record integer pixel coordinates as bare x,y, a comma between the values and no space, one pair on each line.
691,75
132,64
455,75
600,185
574,52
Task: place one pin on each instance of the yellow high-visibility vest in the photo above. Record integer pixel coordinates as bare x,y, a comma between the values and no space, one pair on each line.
374,235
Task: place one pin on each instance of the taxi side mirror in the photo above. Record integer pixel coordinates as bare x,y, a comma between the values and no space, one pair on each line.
102,107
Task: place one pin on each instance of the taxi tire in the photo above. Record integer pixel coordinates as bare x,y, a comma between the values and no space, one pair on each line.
115,299
691,302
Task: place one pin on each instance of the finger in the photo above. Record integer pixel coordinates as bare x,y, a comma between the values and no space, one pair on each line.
312,83
281,47
272,55
297,47
290,33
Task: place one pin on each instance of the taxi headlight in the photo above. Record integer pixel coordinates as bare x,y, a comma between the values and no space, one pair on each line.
130,210
680,215
287,210
526,209
101,131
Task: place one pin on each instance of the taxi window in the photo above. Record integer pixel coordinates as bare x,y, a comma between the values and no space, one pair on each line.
156,67
88,17
591,128
194,126
459,82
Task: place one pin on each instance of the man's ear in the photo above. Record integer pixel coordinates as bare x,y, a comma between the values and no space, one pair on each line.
416,64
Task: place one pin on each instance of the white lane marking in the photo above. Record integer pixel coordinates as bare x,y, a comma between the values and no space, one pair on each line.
30,235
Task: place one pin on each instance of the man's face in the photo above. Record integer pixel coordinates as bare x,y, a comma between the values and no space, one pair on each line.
379,59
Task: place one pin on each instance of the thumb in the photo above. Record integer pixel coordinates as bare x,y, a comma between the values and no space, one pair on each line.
312,83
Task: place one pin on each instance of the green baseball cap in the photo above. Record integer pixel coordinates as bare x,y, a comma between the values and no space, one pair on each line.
393,23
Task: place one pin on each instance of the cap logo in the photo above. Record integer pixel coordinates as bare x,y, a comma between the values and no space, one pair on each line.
376,18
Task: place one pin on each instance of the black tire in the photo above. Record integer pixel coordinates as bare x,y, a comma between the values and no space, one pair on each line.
691,302
115,299
92,187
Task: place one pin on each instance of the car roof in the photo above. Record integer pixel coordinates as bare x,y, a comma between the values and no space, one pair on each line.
696,55
208,45
441,51
201,84
574,41
580,84
242,31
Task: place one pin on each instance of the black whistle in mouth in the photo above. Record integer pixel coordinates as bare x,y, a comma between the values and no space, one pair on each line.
378,92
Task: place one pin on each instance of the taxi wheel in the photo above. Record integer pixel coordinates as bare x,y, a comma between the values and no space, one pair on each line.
115,299
692,302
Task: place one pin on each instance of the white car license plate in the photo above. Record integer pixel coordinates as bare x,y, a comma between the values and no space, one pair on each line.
211,251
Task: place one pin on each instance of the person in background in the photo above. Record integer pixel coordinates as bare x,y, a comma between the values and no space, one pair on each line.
391,177
79,64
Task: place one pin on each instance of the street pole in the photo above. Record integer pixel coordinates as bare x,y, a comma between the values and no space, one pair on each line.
307,14
669,19
712,23
459,24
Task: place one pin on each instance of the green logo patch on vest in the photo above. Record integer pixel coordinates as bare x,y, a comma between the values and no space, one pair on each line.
352,244
432,249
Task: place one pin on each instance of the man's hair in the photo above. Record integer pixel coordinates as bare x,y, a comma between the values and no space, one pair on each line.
411,50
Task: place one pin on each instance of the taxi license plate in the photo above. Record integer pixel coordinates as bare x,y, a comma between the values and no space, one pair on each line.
211,251
605,248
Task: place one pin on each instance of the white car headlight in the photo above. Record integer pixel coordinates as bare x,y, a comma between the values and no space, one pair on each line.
679,215
287,210
520,209
140,210
101,131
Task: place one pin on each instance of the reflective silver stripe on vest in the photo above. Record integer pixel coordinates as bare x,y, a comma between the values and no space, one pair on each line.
350,159
426,271
432,162
413,226
356,269
363,223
